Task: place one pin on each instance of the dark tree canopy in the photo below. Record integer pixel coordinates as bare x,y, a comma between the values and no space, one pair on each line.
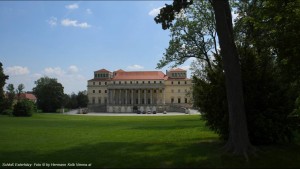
74,101
49,94
167,13
3,78
10,95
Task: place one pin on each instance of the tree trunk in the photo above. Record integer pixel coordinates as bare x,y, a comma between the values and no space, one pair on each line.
238,141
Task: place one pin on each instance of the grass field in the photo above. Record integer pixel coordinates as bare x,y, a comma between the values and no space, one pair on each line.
127,142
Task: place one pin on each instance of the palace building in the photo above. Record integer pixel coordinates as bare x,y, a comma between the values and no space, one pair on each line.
144,91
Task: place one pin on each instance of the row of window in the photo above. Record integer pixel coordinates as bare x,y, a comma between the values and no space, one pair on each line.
142,101
185,90
178,74
105,91
179,100
105,83
101,75
136,82
154,91
178,82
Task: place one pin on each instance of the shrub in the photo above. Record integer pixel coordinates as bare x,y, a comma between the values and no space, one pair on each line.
23,108
7,112
268,101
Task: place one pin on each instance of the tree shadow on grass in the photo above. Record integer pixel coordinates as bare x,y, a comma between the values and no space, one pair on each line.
125,155
201,154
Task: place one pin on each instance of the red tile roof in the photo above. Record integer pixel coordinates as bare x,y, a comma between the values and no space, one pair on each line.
102,70
140,75
27,96
99,79
176,70
120,70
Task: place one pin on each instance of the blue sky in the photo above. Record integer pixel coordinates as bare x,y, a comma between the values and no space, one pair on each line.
69,40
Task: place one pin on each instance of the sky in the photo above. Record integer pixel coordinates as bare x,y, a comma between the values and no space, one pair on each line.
69,40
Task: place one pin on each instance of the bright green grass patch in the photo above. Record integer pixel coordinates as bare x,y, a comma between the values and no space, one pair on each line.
126,142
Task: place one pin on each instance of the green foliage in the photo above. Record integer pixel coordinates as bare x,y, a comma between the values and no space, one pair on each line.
49,94
74,101
272,28
20,89
270,89
193,35
3,78
82,99
23,108
267,102
7,112
210,97
10,95
168,13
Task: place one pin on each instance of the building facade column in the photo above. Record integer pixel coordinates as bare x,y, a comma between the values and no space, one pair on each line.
145,96
132,96
126,96
113,96
139,97
120,96
109,97
164,99
151,96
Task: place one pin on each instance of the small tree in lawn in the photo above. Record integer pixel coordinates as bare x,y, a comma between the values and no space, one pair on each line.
11,94
23,108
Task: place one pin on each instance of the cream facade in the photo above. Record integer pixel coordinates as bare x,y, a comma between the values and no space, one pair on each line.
144,91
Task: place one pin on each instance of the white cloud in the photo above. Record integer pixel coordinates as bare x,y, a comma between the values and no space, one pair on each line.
69,22
72,6
72,80
73,69
89,11
57,71
17,70
155,11
52,21
37,75
69,77
135,67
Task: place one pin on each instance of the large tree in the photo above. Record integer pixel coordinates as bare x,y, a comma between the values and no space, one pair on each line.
49,94
192,35
268,30
238,141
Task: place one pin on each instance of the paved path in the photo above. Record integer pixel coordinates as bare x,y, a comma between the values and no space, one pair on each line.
74,112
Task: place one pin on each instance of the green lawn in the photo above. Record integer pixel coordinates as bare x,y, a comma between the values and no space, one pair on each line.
126,142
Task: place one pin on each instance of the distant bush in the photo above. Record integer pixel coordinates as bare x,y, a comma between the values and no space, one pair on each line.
7,112
23,108
61,110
